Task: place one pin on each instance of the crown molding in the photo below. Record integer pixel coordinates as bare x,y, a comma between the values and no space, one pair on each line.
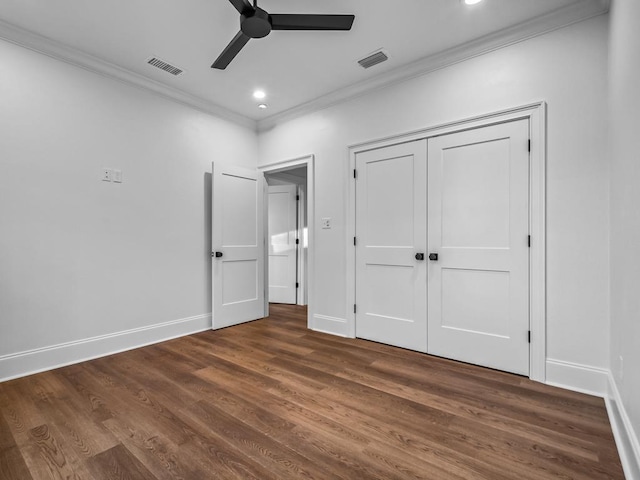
563,17
70,55
573,13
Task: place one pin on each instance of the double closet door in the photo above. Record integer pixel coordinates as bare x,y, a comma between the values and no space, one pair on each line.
442,256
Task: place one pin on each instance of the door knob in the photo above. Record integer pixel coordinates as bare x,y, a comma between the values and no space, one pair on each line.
216,254
433,257
419,256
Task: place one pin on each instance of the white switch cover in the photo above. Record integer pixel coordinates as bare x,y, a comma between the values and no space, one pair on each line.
117,176
106,174
326,222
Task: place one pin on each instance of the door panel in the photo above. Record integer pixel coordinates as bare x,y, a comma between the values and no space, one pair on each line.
475,195
239,216
237,233
486,299
238,283
391,229
478,192
282,243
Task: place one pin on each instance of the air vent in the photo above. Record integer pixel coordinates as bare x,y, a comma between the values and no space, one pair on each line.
374,59
167,67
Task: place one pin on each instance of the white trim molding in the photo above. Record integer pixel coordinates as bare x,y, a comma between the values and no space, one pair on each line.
625,435
536,114
577,377
309,161
75,57
560,18
38,360
332,325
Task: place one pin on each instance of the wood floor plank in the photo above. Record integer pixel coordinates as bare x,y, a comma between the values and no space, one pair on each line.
6,437
157,453
373,425
117,463
273,456
53,455
272,400
298,432
12,465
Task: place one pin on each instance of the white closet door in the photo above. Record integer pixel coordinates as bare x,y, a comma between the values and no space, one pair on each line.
237,245
282,243
391,214
478,192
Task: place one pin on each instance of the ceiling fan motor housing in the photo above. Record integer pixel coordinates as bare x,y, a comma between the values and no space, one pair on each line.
255,24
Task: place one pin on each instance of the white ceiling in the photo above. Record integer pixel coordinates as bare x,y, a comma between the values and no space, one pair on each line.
294,68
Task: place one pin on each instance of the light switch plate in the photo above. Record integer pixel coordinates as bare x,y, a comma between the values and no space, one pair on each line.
117,176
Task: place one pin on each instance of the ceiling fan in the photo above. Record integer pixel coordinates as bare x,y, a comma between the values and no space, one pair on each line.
257,23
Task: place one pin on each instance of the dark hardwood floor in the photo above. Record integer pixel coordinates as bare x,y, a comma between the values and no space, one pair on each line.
273,400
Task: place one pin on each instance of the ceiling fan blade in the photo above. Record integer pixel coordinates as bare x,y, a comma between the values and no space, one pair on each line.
229,53
283,21
241,5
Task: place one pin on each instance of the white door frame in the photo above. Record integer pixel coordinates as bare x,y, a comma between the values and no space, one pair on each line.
309,161
301,271
536,114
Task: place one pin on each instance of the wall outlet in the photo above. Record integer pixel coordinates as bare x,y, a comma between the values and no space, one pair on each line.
326,222
117,176
106,174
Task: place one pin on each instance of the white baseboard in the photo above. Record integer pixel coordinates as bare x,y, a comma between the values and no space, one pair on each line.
577,377
623,431
331,325
47,358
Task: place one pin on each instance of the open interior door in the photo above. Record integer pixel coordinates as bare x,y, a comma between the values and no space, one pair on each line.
282,238
237,239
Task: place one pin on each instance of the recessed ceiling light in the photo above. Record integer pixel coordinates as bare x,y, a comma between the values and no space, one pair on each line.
259,94
262,106
471,2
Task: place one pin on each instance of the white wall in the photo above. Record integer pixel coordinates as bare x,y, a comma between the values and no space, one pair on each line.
625,215
79,257
567,69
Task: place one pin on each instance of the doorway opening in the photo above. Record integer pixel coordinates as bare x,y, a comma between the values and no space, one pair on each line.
289,214
287,239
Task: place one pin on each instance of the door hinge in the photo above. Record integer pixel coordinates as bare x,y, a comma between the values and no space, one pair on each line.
297,285
297,241
354,241
529,241
529,145
354,308
355,173
298,197
529,336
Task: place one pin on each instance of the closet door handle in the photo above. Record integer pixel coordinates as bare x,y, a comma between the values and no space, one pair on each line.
419,256
433,257
216,254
